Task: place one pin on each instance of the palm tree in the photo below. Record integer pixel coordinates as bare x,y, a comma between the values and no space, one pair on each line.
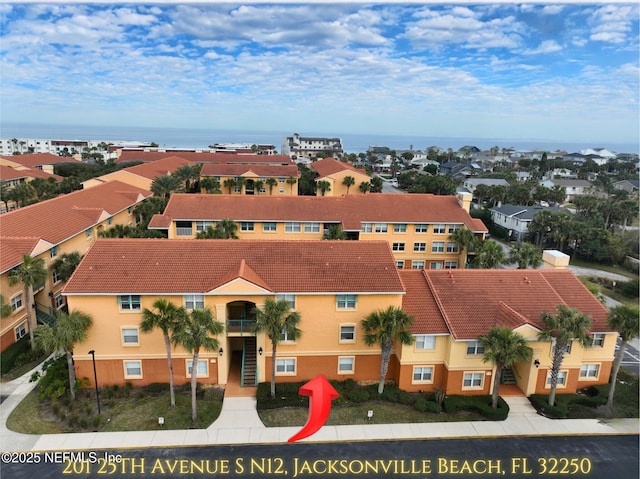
562,328
257,186
526,255
67,331
365,186
167,317
464,239
276,319
194,335
623,319
240,182
66,264
229,183
490,255
323,186
291,181
5,308
335,233
227,228
383,328
271,182
210,184
503,347
164,185
188,174
32,272
348,181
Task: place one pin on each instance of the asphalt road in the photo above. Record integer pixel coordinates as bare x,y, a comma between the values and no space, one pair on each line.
593,457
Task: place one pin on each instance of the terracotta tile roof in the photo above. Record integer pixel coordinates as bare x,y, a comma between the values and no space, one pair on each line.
244,271
330,166
283,171
349,210
203,157
420,303
166,166
472,301
8,173
161,222
60,218
13,249
132,266
37,159
477,226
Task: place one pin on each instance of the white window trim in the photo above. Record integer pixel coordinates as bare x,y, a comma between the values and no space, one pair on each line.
292,224
419,231
417,349
286,373
436,228
58,298
477,345
398,247
132,376
15,296
194,301
415,264
559,385
123,342
600,335
347,341
198,375
397,228
347,371
247,226
346,307
20,330
476,388
422,381
129,310
598,367
270,223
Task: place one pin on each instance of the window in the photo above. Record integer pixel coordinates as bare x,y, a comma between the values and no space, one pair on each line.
55,276
562,378
203,225
400,228
472,380
382,227
346,365
597,340
88,232
129,302
347,333
59,301
400,264
366,227
474,348
589,371
312,227
439,228
398,247
450,264
130,337
269,227
419,247
21,330
567,348
16,302
453,228
53,252
285,366
437,247
292,227
109,220
280,190
422,228
417,264
194,301
290,298
346,301
183,228
281,180
133,370
202,370
423,373
246,226
425,341
284,336
452,247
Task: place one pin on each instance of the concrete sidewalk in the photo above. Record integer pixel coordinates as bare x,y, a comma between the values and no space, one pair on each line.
239,423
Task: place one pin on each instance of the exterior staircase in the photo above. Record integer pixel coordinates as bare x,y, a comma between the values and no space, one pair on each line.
507,376
45,315
249,363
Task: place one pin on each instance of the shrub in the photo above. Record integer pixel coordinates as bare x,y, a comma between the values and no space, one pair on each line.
477,404
541,403
10,354
630,288
286,396
358,395
423,405
155,388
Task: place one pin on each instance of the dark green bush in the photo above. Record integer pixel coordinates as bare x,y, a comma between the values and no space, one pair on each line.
630,288
423,405
541,403
286,396
155,388
358,395
478,404
10,354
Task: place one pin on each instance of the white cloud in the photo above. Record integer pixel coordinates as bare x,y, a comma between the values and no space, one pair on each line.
547,46
612,23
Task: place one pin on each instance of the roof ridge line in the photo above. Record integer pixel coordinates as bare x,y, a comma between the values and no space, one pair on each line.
438,302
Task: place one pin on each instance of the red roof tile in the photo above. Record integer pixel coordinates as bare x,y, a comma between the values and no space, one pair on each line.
166,166
329,166
203,157
13,249
420,303
38,159
132,266
8,173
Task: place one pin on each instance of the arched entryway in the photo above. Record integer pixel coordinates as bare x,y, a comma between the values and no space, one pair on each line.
249,187
241,341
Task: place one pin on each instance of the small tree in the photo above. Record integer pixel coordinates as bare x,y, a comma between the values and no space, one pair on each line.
383,328
67,331
623,319
30,273
229,183
66,264
365,186
323,186
525,255
194,335
348,181
166,317
276,319
562,328
490,255
5,308
291,181
464,239
335,233
271,183
164,185
504,347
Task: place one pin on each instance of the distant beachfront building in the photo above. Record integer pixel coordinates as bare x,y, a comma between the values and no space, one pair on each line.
59,147
305,146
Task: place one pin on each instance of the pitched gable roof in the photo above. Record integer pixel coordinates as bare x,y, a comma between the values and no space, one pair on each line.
329,166
145,266
420,303
202,157
165,166
38,159
8,173
283,171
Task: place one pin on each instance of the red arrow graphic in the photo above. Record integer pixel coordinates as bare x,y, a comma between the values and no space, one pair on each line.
320,393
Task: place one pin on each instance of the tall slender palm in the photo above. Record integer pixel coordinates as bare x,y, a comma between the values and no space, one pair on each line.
525,255
271,182
164,185
323,186
240,182
32,272
257,186
195,335
227,228
166,317
292,181
66,264
69,330
623,319
490,255
276,319
348,181
464,239
503,347
365,186
229,183
383,328
567,325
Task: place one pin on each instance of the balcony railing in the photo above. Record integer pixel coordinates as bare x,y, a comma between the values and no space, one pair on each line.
241,326
184,231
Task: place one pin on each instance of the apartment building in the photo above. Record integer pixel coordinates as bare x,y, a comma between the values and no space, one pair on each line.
333,285
416,226
49,229
311,145
253,179
334,172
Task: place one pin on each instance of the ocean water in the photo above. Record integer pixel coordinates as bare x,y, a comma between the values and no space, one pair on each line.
352,142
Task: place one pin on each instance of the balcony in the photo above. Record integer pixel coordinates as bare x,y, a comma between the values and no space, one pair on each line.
184,232
241,326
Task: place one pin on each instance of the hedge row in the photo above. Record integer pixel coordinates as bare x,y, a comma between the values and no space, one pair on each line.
592,399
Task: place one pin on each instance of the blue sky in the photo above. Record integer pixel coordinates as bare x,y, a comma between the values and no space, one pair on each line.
504,70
